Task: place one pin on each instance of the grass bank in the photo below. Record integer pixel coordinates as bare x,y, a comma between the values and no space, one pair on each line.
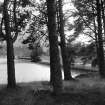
86,90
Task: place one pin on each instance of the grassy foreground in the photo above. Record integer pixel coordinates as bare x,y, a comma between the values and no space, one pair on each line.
86,90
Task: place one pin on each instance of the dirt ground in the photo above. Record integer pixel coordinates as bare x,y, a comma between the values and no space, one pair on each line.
85,90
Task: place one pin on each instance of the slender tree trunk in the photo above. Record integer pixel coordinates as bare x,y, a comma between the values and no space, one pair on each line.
65,60
10,64
10,50
96,39
103,16
100,41
55,67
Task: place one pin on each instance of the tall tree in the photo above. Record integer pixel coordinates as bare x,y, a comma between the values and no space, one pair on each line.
90,22
66,63
10,50
55,67
13,21
100,40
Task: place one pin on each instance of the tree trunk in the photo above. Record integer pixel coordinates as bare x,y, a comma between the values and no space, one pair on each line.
10,64
96,40
65,60
55,67
100,41
10,50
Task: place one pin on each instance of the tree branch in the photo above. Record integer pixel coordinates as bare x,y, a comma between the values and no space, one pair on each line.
15,21
87,24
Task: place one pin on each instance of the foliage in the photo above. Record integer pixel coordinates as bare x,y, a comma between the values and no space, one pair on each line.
73,51
38,31
84,17
18,17
36,53
38,26
88,52
85,52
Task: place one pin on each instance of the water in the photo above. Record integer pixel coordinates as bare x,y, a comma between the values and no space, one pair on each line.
27,72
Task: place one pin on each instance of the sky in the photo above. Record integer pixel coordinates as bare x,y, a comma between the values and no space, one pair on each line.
1,0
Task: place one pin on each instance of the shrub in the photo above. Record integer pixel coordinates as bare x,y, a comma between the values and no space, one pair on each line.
36,53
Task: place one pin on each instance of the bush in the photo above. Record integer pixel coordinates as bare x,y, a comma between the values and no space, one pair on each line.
36,53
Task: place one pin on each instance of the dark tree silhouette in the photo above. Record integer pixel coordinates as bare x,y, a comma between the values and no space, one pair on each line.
100,41
55,67
10,49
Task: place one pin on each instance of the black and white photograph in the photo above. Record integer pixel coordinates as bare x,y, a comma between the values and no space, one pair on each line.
52,52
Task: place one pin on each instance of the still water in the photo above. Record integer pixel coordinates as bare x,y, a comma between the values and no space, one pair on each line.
27,72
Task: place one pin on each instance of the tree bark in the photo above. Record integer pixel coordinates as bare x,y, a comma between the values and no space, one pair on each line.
10,64
10,50
65,60
55,66
100,41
